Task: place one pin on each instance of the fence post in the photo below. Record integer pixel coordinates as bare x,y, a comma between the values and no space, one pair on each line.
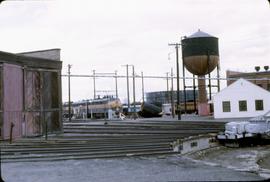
11,132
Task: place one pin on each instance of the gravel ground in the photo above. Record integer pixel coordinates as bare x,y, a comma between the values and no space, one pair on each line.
265,162
250,159
140,169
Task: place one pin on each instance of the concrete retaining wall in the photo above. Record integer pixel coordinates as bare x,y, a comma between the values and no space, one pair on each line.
193,144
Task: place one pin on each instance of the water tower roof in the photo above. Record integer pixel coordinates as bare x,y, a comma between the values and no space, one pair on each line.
200,33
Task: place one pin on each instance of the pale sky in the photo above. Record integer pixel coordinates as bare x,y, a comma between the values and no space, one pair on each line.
104,34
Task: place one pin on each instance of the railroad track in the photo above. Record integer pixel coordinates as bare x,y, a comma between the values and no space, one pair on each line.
87,140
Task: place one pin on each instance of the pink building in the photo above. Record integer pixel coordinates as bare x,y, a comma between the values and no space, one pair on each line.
30,93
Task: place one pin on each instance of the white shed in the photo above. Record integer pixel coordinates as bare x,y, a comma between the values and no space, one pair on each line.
241,99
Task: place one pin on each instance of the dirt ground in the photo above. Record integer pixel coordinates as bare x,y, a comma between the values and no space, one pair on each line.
132,169
250,159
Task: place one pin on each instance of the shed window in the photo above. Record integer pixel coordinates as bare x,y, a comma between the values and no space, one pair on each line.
242,105
259,105
226,105
194,144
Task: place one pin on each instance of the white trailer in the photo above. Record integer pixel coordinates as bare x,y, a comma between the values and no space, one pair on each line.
253,131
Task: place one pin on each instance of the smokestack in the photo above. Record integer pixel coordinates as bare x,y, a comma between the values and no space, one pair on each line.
257,68
266,68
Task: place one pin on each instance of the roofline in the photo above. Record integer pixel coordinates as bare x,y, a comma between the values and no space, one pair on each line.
240,79
6,57
248,74
43,50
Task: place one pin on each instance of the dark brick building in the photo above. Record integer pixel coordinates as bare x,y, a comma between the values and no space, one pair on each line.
260,78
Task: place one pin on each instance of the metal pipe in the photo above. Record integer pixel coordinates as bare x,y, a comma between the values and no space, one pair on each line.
87,110
11,132
116,86
184,83
172,95
142,87
178,85
134,99
69,102
194,94
128,90
209,76
167,80
218,76
94,81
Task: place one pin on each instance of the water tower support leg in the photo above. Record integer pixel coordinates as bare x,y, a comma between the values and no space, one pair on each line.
218,81
184,85
194,94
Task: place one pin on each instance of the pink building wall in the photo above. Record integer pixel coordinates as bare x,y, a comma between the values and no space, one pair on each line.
13,100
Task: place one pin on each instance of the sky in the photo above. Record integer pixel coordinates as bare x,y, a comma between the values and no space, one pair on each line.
103,35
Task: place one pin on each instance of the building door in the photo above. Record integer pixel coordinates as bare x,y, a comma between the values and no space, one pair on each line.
12,87
32,103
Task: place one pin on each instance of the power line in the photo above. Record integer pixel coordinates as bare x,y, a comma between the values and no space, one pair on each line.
23,0
160,77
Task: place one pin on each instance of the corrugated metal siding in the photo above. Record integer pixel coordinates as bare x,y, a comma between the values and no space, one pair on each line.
1,100
13,100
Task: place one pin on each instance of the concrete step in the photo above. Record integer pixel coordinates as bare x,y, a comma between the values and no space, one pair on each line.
86,140
13,151
82,157
84,154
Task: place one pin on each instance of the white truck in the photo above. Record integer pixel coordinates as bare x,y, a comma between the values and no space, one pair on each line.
252,131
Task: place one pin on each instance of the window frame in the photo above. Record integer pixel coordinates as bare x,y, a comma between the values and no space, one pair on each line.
259,107
242,108
224,106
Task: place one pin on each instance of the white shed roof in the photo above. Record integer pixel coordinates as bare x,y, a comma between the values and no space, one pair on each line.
242,84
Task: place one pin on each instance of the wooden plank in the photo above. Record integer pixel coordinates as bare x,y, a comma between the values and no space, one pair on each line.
33,125
32,91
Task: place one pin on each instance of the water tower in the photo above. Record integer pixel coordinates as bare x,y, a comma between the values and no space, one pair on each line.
200,57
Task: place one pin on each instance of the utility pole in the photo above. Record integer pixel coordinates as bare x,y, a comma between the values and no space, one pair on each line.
167,79
218,76
172,95
69,102
134,100
116,86
94,80
142,87
87,110
184,82
178,108
127,87
194,94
